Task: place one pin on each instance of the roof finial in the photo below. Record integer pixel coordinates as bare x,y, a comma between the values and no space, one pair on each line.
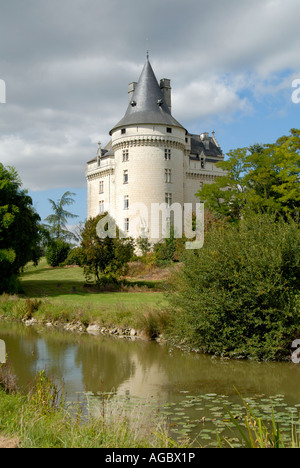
147,54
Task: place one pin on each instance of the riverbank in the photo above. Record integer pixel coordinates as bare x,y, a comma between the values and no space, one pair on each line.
41,419
123,321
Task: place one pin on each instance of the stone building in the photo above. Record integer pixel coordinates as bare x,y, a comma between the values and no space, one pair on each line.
150,160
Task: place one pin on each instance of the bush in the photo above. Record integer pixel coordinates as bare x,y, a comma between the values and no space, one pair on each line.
57,252
237,295
74,257
103,256
169,249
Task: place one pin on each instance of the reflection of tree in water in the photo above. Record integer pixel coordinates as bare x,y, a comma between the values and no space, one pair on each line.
105,363
21,348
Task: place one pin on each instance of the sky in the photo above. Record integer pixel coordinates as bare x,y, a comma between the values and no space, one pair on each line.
66,66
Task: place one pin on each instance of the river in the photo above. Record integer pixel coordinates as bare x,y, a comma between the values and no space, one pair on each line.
190,390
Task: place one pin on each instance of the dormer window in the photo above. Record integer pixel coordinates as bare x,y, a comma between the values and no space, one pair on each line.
160,102
133,103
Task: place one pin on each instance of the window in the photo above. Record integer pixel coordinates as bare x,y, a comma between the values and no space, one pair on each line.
202,163
101,186
123,131
101,207
168,178
168,199
126,224
126,202
167,154
169,130
125,155
125,177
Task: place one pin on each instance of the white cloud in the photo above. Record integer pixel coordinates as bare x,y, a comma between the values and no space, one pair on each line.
210,96
67,64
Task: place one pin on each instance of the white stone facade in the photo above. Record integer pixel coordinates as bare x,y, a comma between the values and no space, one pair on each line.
150,159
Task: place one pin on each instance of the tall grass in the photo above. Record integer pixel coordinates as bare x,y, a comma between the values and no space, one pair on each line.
256,433
149,320
41,419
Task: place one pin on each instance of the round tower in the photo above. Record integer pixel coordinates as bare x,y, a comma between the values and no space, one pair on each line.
149,147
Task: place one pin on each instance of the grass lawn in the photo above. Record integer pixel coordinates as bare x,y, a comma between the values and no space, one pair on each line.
67,285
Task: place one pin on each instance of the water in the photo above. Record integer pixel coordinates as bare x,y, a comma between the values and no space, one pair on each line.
190,390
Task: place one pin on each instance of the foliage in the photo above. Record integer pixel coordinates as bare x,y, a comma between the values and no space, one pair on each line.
238,294
260,179
57,252
44,393
144,245
20,231
261,434
169,249
74,256
58,220
42,419
165,250
108,256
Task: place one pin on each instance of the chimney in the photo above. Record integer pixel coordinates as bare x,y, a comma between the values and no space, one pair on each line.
165,86
131,89
214,139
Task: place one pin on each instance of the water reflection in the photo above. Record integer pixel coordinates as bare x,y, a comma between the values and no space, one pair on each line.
144,369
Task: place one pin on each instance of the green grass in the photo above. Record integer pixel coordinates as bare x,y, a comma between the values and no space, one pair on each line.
60,295
41,419
68,285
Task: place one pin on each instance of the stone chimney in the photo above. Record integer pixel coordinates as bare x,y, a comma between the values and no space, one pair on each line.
165,86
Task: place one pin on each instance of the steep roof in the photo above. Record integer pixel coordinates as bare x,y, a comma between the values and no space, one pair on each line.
205,145
147,105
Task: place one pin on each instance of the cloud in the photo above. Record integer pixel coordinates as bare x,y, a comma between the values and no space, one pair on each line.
67,65
210,96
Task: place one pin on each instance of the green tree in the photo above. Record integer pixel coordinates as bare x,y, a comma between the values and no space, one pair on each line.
100,257
239,294
20,230
59,219
57,252
258,179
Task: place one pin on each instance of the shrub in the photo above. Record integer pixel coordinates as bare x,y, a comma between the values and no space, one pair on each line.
57,252
103,256
144,245
238,294
74,257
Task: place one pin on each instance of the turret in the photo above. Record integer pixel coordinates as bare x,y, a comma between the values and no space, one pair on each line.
149,145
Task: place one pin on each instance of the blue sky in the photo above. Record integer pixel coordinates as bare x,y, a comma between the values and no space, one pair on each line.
67,65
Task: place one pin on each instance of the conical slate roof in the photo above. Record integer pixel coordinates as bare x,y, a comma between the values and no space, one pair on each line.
147,105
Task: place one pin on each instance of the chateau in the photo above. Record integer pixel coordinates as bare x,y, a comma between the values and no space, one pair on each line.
150,159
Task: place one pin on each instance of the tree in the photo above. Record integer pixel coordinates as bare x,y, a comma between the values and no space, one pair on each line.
57,252
20,230
239,294
258,179
58,220
100,257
